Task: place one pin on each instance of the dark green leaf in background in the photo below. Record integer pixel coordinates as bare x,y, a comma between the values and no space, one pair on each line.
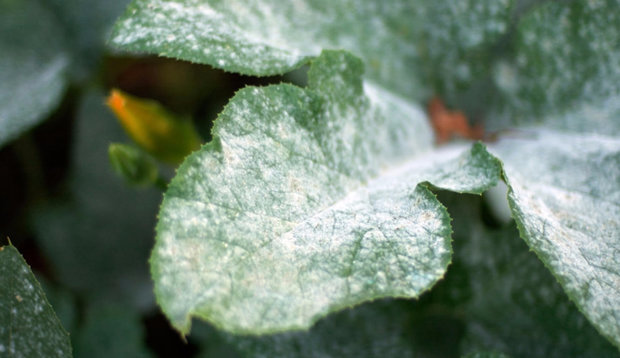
64,303
458,41
29,327
34,59
132,164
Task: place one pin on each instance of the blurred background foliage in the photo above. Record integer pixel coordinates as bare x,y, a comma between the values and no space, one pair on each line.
87,235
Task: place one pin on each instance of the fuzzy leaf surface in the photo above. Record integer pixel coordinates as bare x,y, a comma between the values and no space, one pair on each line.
261,37
306,202
28,325
496,278
528,59
564,191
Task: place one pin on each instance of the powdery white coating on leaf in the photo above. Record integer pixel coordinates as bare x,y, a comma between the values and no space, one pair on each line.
571,51
565,195
596,116
155,24
453,33
29,326
263,37
566,65
293,212
394,107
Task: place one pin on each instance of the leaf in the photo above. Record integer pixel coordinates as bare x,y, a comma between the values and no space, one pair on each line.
291,213
33,64
273,37
97,239
567,56
495,297
536,60
527,59
63,301
505,52
458,41
564,191
508,301
28,325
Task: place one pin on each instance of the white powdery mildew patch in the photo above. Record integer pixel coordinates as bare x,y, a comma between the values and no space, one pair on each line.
570,215
268,37
569,56
382,240
283,31
412,123
234,34
284,222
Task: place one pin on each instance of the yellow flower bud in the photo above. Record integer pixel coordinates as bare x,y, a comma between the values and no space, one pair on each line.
162,134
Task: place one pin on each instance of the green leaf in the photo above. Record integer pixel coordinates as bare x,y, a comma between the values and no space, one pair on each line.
495,297
97,239
566,56
552,62
292,211
454,40
532,61
527,59
28,325
63,301
508,301
564,191
32,66
272,37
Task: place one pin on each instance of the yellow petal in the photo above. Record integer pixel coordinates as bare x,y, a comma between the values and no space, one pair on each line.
159,132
